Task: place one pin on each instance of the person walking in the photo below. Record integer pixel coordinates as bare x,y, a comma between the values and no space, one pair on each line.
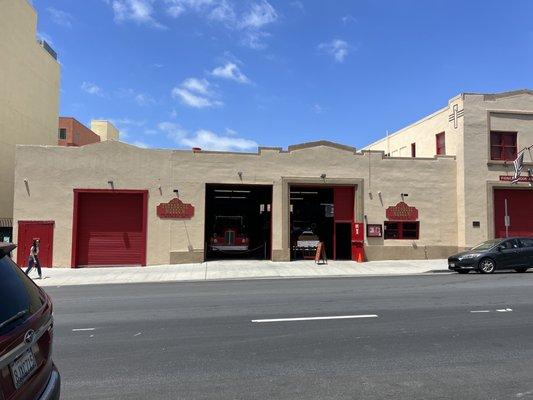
33,259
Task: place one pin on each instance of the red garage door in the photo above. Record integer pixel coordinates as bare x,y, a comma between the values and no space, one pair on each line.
109,228
519,209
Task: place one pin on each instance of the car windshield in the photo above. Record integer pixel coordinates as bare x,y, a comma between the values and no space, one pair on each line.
228,222
489,244
19,295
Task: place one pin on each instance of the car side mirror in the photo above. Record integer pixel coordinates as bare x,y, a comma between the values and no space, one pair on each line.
500,248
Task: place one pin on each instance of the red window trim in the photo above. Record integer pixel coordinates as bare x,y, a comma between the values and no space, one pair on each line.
502,146
400,230
77,192
437,137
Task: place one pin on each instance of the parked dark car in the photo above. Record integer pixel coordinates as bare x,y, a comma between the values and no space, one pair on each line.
27,371
510,253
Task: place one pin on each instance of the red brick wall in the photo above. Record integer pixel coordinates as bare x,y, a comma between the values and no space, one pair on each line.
77,133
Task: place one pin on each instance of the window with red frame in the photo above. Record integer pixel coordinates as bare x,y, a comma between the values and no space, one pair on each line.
503,146
441,143
407,230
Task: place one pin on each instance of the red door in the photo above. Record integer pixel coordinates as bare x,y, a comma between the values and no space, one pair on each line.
109,228
519,210
343,206
27,232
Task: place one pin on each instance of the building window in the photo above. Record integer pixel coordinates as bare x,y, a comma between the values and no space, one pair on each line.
503,146
62,134
441,143
413,149
408,230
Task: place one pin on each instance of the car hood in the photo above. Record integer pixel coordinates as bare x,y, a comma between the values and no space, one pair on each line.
463,253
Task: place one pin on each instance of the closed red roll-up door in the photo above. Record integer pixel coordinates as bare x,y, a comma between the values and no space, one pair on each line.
519,210
110,229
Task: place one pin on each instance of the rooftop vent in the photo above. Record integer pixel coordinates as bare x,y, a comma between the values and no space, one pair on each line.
47,47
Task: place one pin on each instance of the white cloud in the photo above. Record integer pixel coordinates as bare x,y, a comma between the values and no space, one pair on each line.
60,17
196,93
317,108
298,5
139,11
230,71
249,19
124,125
259,15
205,139
92,88
143,99
193,100
172,130
337,48
200,86
223,12
140,144
208,140
348,19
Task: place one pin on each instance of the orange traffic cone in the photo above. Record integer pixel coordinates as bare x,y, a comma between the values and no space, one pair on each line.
360,257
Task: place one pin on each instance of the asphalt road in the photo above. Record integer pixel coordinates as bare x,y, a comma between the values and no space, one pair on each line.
197,341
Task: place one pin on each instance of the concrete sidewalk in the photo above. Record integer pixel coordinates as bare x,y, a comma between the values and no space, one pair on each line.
227,270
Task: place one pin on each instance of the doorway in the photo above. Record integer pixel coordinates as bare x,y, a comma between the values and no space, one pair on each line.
28,231
343,245
238,221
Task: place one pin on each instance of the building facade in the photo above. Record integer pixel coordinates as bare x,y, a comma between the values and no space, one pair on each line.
29,96
73,133
111,203
484,132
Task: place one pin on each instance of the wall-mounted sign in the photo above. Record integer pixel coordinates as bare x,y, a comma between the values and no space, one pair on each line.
509,178
175,208
357,232
402,212
374,230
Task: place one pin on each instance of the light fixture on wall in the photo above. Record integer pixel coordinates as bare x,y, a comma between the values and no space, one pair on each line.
404,195
27,185
111,184
323,176
177,192
240,175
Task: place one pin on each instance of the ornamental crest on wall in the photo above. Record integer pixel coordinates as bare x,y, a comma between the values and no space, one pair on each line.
175,208
402,212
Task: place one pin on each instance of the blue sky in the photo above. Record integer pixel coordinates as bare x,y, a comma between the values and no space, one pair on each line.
231,75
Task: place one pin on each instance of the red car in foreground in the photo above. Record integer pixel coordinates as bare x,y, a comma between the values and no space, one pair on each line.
27,371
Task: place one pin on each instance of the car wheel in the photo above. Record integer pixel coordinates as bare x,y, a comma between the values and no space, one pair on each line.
463,271
520,269
487,266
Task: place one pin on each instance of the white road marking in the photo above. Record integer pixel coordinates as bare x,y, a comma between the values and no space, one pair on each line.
314,318
480,311
505,310
137,334
83,329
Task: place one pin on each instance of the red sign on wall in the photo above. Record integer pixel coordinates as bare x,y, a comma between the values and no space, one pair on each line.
509,178
175,208
402,212
357,232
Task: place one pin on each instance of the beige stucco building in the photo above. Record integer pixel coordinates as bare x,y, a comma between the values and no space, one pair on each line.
29,95
112,203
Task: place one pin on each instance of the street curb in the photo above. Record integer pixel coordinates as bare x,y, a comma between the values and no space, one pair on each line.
274,278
